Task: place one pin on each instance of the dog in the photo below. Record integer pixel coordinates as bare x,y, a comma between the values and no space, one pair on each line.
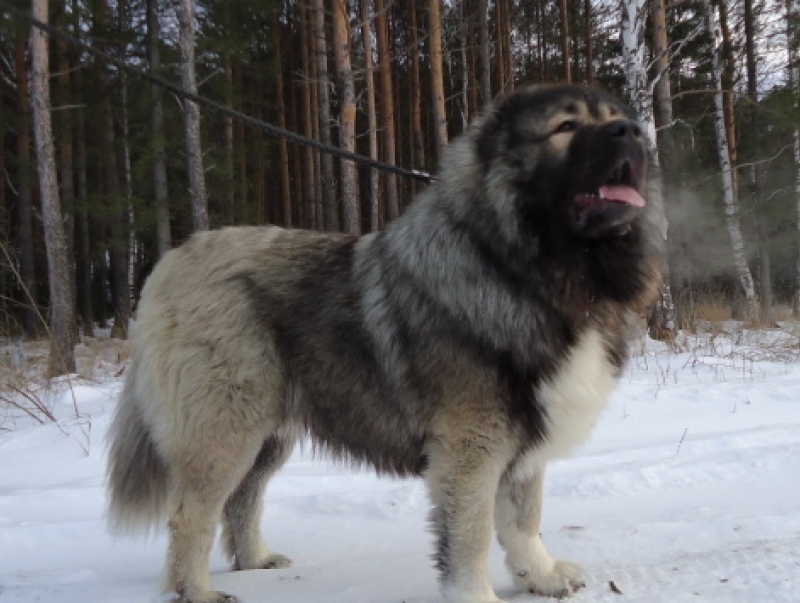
473,340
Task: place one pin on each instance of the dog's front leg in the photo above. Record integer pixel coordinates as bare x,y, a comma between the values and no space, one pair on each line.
463,478
518,514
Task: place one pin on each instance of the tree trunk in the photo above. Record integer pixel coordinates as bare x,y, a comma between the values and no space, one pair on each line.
793,48
756,176
418,139
387,107
66,147
160,188
59,264
118,244
27,266
372,117
84,238
729,194
587,11
328,184
505,70
286,199
565,43
351,209
485,73
310,179
194,150
637,84
437,77
662,318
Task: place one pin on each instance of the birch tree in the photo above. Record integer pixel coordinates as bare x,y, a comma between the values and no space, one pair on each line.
194,148
59,264
639,91
729,196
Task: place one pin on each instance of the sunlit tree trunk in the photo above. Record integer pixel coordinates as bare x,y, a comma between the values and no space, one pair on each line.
59,263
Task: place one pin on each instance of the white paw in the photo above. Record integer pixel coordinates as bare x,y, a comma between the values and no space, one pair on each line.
563,580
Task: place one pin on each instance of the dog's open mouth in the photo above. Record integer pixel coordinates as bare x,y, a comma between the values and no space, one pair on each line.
618,188
608,209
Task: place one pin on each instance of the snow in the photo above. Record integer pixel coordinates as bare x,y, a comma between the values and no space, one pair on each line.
687,491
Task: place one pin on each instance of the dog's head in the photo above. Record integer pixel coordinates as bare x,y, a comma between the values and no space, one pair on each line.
576,156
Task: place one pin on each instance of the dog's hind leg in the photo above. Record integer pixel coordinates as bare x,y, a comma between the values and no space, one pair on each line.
203,475
518,514
241,515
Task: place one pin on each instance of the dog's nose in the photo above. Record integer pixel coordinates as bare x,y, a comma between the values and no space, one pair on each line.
621,128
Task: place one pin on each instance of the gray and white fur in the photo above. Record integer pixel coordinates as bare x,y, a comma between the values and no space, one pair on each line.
470,342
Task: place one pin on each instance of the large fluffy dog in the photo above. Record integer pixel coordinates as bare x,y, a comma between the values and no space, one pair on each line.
470,342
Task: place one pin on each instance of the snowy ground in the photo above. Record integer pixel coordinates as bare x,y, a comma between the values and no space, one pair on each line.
688,491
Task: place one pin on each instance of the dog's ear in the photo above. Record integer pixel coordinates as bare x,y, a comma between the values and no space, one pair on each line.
490,139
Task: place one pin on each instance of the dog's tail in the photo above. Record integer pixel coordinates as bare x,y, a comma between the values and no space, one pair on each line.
137,474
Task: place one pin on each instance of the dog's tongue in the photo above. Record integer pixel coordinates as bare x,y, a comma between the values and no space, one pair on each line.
623,194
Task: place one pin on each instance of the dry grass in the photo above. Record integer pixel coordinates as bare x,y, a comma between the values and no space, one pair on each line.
25,391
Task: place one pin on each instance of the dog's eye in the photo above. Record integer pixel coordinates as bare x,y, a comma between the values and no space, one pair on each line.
568,125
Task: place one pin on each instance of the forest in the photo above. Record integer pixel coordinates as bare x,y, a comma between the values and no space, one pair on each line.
104,170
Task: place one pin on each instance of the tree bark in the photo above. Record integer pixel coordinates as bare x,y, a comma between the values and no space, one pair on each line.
117,222
505,71
286,199
84,272
587,11
328,183
756,176
485,73
194,149
59,264
351,208
372,117
729,194
27,265
418,139
160,184
565,41
310,180
387,107
437,77
662,322
793,68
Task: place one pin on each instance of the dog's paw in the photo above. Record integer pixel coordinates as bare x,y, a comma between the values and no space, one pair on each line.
562,581
209,596
275,561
